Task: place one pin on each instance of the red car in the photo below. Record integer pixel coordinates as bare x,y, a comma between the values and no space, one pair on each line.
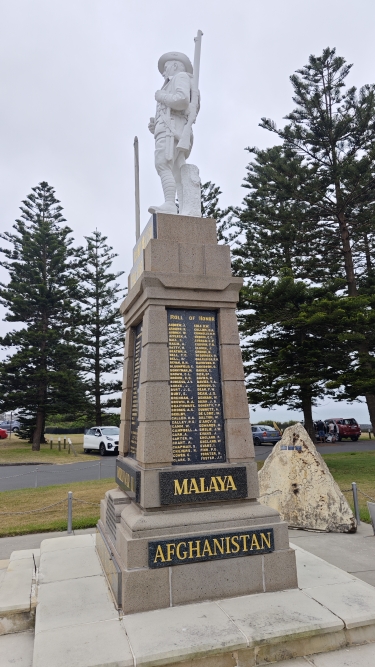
3,434
347,428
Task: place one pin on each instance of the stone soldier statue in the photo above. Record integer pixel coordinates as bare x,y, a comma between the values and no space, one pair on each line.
175,113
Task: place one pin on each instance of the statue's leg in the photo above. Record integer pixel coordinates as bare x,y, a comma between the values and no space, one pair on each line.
179,161
164,169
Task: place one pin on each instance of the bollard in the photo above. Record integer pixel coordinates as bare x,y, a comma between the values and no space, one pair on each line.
36,477
64,443
355,500
59,443
70,513
50,444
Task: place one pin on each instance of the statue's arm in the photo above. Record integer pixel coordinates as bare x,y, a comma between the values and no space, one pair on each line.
180,99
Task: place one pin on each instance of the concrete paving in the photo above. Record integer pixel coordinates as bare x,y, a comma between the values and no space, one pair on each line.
78,625
17,542
352,552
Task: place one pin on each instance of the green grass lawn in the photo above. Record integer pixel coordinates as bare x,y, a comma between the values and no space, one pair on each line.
15,450
52,518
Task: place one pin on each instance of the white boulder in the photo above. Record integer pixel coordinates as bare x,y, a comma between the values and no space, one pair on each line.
296,482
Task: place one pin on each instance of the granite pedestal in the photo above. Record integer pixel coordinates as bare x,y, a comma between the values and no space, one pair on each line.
184,524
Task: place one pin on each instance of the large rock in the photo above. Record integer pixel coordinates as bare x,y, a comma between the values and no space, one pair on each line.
297,483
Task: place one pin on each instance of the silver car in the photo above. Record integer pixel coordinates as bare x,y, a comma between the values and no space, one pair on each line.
265,434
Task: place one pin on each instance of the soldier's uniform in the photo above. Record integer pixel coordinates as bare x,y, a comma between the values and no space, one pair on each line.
170,120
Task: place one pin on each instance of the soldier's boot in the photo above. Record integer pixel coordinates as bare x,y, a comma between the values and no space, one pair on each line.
169,189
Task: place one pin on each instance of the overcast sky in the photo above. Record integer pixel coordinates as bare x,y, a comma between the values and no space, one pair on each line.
77,84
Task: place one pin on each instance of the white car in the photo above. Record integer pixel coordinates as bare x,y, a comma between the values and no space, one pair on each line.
101,438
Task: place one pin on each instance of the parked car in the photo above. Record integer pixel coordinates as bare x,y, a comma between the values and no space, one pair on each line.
7,424
347,428
263,434
101,438
3,434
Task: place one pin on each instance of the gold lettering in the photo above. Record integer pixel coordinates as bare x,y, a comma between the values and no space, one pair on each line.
267,541
244,539
178,490
203,489
207,548
170,553
219,546
193,486
213,485
227,540
197,549
178,553
159,554
231,484
255,542
235,542
221,482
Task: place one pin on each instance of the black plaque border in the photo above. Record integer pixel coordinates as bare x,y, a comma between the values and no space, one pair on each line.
134,474
152,548
166,484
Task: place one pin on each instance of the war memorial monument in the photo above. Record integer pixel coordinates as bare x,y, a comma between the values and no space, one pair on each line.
184,524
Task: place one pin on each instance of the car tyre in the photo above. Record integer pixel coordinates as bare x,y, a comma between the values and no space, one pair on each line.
354,438
102,449
15,429
86,451
256,442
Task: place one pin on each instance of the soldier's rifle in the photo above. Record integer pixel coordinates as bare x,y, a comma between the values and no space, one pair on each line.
184,143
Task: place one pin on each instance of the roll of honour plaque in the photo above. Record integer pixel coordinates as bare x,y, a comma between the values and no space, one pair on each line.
196,405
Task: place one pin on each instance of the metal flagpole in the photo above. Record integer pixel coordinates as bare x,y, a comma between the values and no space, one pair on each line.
136,182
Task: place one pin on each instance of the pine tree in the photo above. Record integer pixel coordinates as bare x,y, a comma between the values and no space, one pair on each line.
333,130
102,334
210,194
42,377
289,351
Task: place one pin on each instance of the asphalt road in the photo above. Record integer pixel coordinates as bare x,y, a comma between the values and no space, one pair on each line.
23,477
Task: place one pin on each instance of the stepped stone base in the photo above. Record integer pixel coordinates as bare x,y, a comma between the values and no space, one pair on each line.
143,588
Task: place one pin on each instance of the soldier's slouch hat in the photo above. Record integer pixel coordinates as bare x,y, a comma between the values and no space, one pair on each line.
175,55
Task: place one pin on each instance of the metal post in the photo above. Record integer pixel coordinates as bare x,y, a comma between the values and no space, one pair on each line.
50,444
136,178
64,443
355,501
59,443
70,513
36,477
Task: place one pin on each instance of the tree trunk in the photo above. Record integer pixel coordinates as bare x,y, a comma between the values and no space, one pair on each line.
307,413
38,431
370,400
348,257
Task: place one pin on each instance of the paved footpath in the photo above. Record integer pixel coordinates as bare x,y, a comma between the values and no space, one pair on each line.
24,477
262,451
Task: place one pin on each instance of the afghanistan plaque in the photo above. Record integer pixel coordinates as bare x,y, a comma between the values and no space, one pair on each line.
196,403
135,390
163,553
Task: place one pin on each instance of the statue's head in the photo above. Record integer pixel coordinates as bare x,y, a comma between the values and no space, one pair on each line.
173,62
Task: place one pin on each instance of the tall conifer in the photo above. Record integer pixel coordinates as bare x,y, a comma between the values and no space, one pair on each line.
42,377
102,332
